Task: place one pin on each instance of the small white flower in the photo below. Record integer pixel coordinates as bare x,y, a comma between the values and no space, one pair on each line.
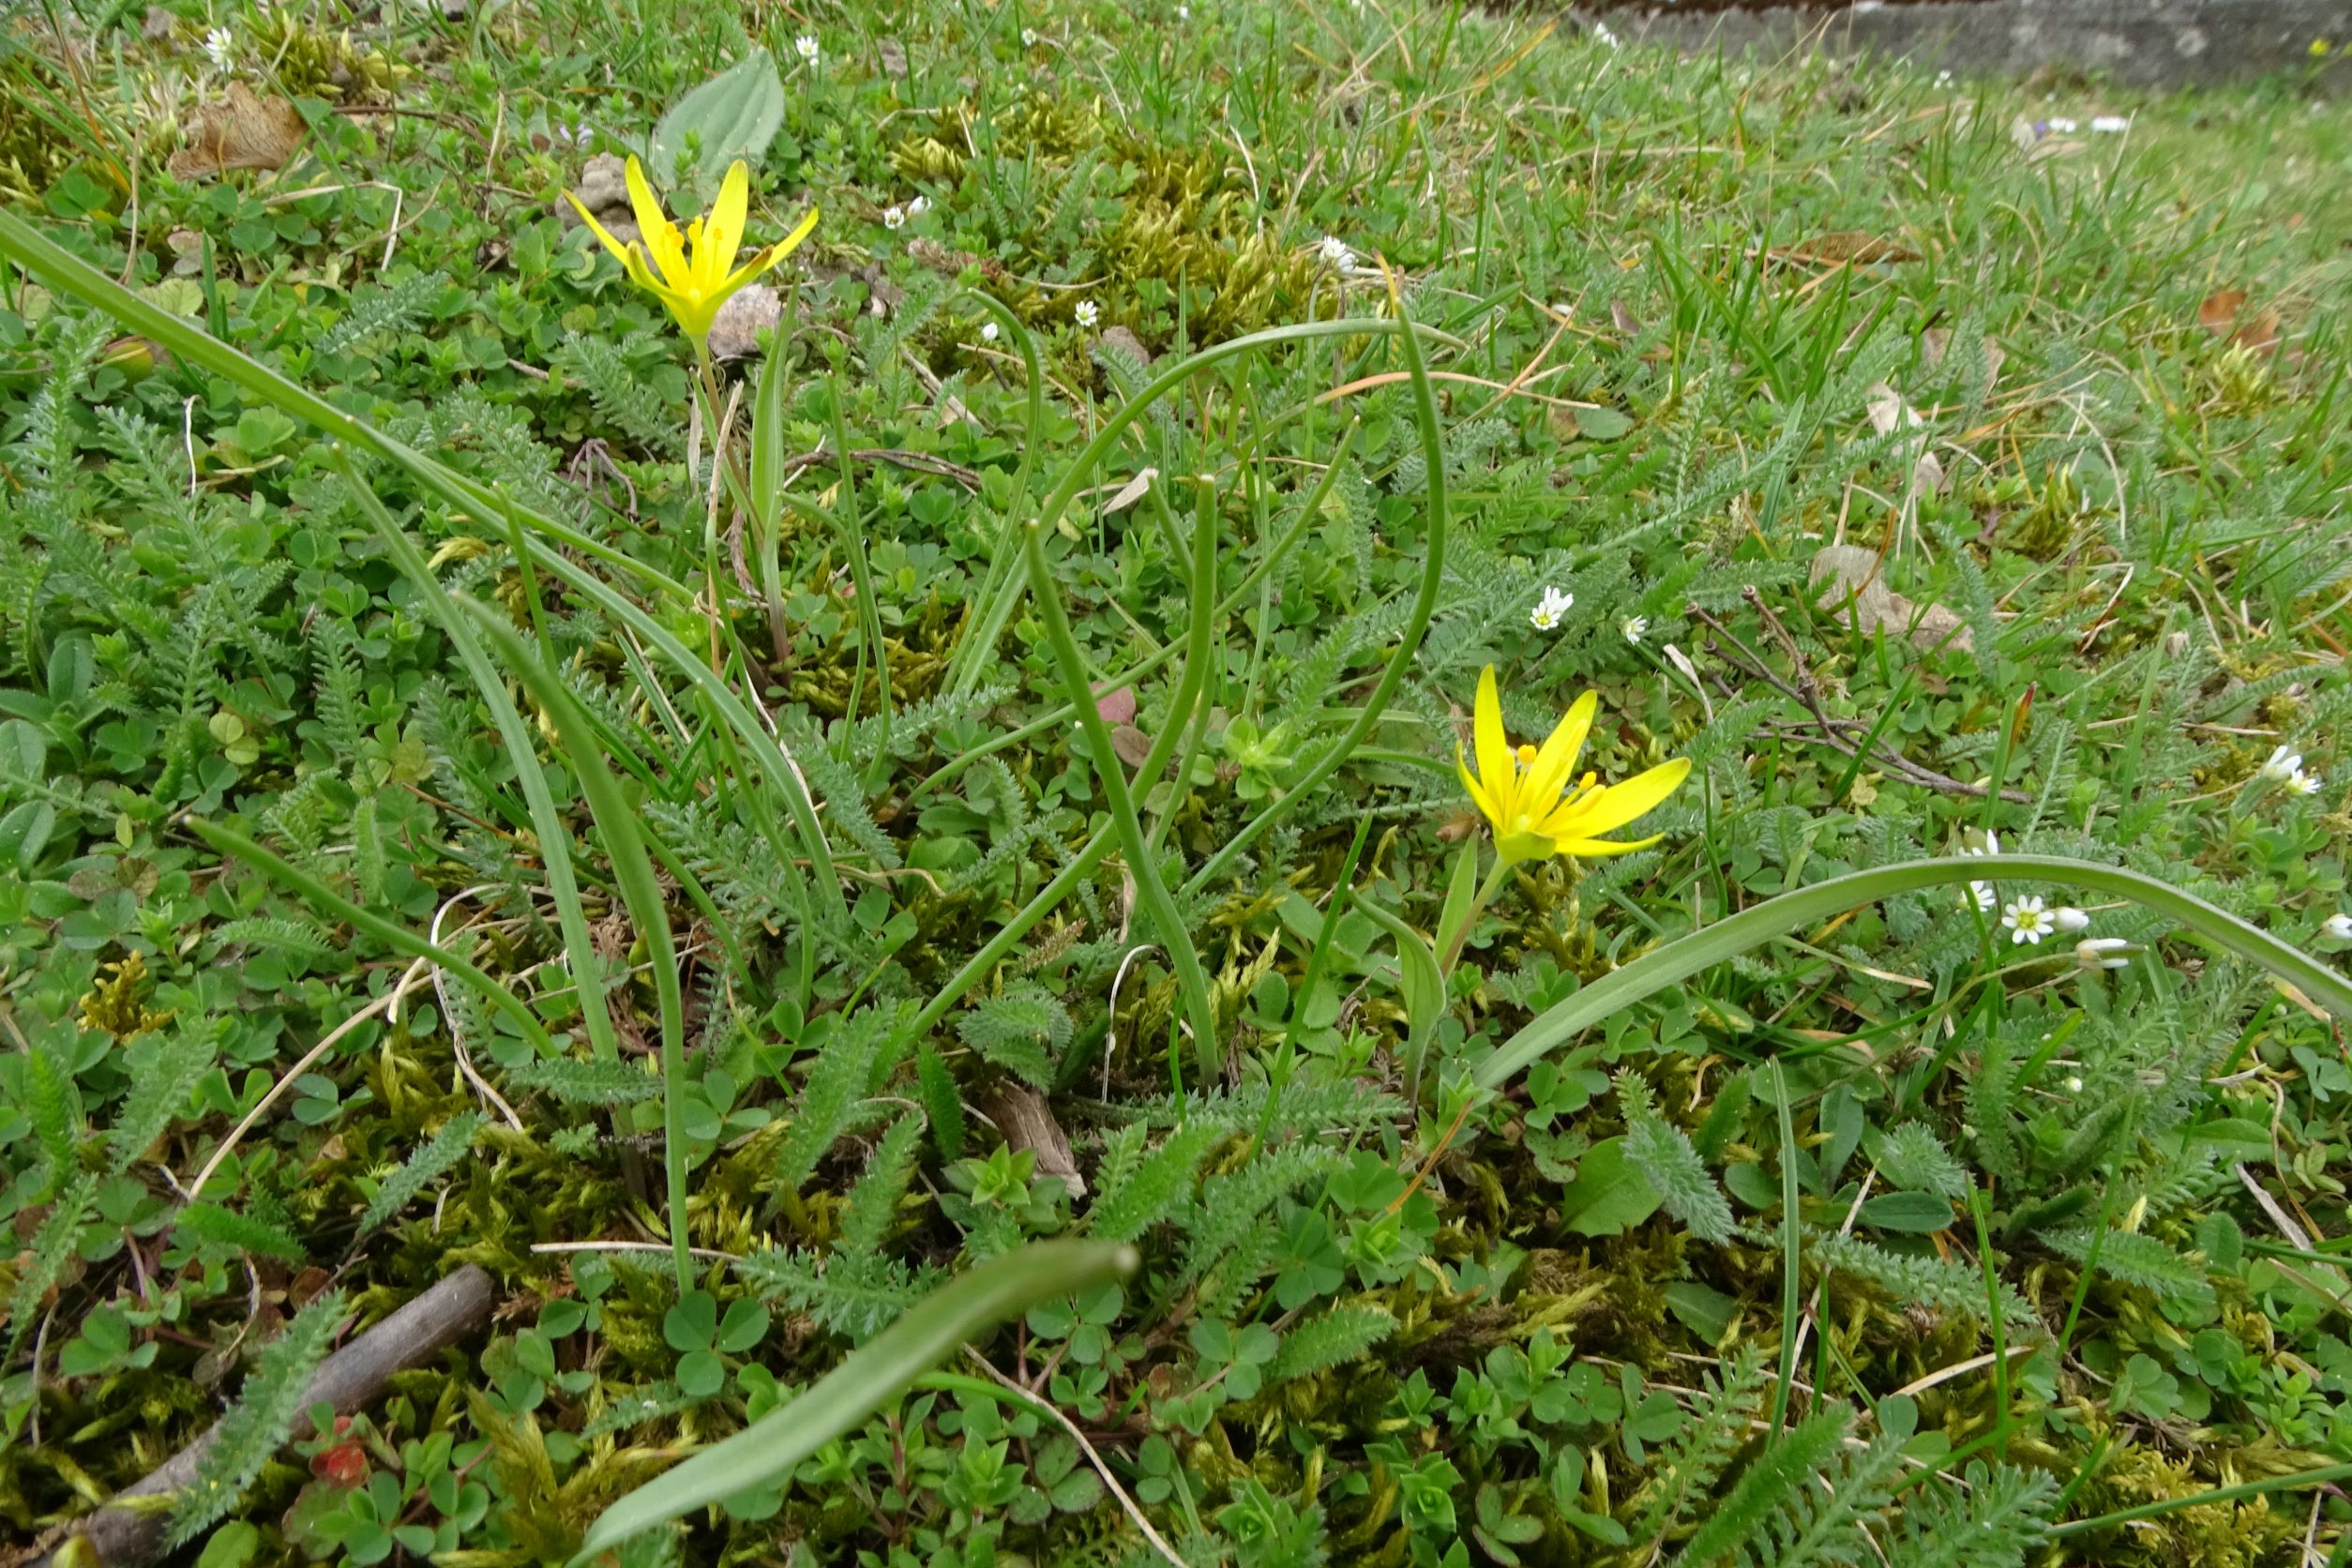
2338,928
1983,895
2284,764
988,332
2306,783
1183,13
1028,38
1980,841
2073,1086
1634,627
805,47
2070,919
917,207
217,46
1087,312
1550,608
894,218
1600,31
2110,125
1943,79
2063,127
2028,920
1336,255
2103,952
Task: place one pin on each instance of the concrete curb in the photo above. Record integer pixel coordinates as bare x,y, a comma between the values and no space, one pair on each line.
2141,43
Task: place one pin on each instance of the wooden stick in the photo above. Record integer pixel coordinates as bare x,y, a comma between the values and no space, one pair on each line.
123,1536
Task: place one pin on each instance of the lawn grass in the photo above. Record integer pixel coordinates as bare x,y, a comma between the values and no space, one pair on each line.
973,965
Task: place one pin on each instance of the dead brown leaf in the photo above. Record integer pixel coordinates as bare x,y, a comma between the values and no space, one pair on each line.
1131,744
1847,247
1847,574
1132,491
2258,333
242,131
2224,312
1935,342
2219,312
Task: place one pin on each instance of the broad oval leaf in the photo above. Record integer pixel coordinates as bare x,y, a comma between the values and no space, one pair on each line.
1916,1212
734,115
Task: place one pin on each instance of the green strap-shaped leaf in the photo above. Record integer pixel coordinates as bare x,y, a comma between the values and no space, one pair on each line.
871,1378
58,268
1752,928
579,958
633,874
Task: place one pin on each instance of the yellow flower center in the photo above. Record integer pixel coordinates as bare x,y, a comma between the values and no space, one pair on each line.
1527,755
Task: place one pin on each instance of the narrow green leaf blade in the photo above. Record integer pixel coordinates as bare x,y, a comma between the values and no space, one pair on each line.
1752,928
869,1378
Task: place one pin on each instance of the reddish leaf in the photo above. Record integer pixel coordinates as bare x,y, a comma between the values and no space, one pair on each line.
1117,707
346,1463
2219,312
2258,333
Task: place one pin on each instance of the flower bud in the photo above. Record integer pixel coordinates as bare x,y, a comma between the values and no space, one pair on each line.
2103,952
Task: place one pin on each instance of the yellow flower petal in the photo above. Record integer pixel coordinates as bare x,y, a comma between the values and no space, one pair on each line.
663,243
1497,771
1558,758
722,234
1478,796
621,253
762,259
1620,803
1587,848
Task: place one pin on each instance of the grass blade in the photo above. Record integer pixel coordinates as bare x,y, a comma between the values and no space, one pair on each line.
1142,865
546,821
1424,605
61,270
633,873
68,274
1091,455
228,841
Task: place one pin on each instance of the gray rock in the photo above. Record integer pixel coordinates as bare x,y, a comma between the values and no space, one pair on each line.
603,185
2146,43
734,332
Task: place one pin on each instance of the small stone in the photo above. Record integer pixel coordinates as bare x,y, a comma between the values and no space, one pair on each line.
603,185
157,24
734,332
1126,343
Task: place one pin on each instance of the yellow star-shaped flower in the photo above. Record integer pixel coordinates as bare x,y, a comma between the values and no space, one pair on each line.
1527,795
693,272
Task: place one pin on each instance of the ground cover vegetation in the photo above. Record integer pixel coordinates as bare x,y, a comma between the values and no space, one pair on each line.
1218,783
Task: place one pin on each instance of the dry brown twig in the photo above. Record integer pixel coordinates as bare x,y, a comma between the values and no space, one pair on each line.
1834,732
